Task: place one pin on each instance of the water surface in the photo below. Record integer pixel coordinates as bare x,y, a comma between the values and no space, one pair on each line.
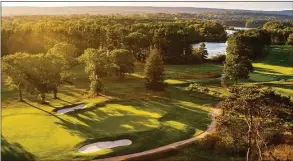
216,48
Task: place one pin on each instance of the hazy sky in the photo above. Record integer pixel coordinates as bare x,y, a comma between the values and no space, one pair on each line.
225,5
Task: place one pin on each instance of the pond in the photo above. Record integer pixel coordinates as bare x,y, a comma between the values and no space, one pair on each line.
213,48
229,32
216,48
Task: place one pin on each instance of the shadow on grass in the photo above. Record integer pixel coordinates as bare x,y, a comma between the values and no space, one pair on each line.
14,152
266,70
285,86
95,123
150,122
65,101
149,119
49,113
279,56
144,131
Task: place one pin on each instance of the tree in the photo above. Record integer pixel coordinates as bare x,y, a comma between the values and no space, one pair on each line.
65,58
39,77
237,65
65,51
13,72
251,116
138,44
124,60
290,39
43,72
202,51
154,71
97,64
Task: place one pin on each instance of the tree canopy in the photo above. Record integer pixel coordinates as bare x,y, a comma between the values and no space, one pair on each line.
124,60
98,64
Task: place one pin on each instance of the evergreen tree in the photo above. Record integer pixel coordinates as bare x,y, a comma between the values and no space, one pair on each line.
238,65
154,71
202,51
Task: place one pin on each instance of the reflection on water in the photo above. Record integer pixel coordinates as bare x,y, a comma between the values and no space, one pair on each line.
242,28
216,48
213,48
229,32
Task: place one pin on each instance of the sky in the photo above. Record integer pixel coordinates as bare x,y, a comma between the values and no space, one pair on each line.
266,6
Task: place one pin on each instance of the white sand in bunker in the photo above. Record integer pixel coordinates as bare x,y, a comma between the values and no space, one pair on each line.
65,110
94,147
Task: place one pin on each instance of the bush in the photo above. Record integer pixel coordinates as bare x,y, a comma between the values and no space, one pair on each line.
209,142
194,59
280,138
222,144
279,152
200,88
159,86
290,39
218,58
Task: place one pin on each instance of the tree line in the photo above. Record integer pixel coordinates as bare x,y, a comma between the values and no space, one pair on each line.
281,32
139,35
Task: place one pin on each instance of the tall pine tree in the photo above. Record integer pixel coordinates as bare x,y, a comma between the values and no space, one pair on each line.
154,71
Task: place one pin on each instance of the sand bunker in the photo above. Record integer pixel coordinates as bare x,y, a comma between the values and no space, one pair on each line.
65,110
104,145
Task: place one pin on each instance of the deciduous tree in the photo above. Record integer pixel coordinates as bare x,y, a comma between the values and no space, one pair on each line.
124,60
98,64
64,57
251,116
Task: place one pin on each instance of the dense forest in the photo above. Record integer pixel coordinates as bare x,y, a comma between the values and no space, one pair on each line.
38,34
172,36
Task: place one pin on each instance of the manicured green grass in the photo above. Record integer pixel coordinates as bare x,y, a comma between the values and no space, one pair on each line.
150,119
32,131
275,69
276,65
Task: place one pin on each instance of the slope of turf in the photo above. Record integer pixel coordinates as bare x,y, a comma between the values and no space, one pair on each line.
33,131
276,65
